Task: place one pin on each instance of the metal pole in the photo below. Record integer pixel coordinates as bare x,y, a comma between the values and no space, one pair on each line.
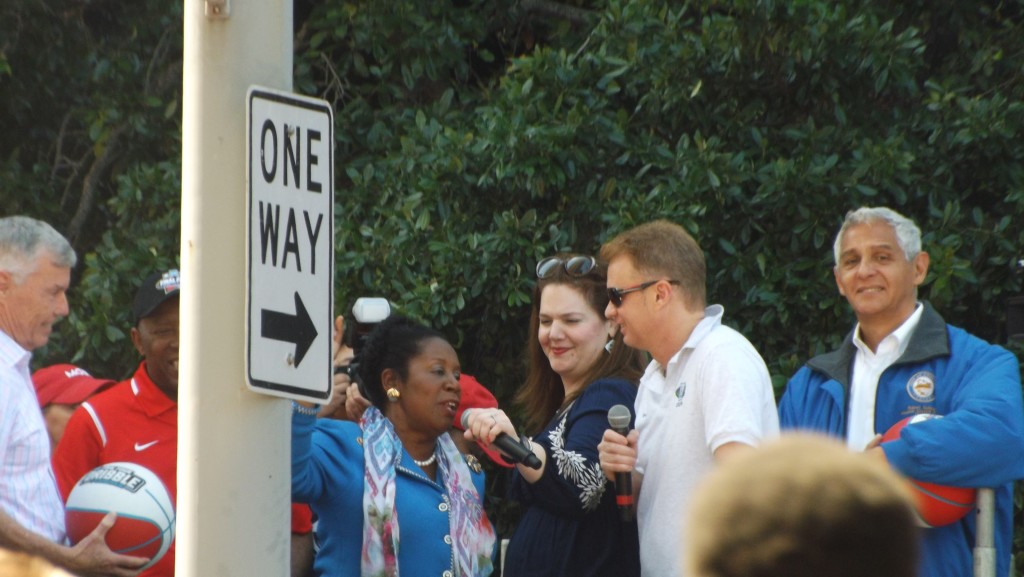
984,546
233,447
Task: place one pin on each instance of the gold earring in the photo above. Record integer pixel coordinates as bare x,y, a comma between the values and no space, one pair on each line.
393,394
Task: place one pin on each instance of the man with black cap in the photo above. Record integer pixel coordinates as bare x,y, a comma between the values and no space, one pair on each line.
136,420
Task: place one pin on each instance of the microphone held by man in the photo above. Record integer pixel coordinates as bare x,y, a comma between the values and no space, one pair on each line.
618,419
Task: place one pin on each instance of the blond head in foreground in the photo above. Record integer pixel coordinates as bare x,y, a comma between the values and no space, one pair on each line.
16,564
802,506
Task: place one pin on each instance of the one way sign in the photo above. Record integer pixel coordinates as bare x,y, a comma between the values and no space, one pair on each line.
290,245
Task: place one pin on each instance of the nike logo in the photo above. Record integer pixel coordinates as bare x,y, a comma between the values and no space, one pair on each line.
139,447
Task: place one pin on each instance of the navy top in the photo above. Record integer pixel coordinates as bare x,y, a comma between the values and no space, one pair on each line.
570,524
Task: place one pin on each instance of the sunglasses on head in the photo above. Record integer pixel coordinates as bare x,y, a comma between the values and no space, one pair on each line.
615,295
577,266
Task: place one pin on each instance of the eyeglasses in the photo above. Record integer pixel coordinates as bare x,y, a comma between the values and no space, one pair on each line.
615,295
576,266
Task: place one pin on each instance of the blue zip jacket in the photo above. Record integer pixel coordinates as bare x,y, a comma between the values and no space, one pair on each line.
946,371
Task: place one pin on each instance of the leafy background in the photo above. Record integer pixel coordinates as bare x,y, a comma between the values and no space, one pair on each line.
475,137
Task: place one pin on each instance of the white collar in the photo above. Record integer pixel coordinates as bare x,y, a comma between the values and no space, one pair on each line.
712,319
895,341
13,354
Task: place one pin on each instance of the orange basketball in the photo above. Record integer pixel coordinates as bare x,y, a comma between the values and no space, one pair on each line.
936,505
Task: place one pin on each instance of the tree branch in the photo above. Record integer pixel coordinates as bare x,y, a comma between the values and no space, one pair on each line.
91,183
559,10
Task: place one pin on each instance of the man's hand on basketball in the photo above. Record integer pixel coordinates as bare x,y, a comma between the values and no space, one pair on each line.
91,557
874,449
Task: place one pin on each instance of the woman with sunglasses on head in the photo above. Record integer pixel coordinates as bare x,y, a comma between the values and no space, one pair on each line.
397,468
578,369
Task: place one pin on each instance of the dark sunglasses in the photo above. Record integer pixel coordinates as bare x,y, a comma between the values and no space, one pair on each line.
577,266
615,295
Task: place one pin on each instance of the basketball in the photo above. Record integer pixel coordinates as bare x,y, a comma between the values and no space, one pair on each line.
936,505
145,513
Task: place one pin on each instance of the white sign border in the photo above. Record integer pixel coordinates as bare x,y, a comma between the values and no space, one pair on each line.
255,384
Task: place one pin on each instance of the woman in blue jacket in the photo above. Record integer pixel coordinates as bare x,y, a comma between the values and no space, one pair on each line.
393,492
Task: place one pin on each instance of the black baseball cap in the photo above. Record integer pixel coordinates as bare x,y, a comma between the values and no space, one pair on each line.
155,290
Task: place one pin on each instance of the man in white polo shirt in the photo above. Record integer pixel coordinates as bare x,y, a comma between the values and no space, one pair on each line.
705,395
35,271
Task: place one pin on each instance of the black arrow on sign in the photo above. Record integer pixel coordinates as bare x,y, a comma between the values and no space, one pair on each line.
297,328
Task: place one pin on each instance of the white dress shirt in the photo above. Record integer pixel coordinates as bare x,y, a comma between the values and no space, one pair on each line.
868,366
28,490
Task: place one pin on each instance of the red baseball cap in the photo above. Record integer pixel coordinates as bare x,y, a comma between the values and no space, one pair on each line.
476,396
66,384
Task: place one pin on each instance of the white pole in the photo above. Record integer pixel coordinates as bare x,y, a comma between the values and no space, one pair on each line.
233,446
984,545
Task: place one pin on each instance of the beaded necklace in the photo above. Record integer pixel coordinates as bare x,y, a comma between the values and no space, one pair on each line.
427,462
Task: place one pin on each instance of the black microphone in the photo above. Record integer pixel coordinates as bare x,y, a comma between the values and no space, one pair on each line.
515,451
618,419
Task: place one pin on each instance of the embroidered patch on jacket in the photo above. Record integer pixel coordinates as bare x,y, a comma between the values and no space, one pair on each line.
921,387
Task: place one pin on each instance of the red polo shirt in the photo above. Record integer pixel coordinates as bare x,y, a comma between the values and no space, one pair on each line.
133,421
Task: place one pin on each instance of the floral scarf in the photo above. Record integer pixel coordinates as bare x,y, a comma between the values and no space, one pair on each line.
472,532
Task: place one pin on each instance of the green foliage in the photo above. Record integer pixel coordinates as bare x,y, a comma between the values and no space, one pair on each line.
475,137
744,121
143,239
92,145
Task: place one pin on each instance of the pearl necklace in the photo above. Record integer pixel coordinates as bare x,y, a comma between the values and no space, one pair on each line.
426,462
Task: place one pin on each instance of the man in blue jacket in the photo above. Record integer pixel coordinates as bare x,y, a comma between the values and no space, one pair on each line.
903,359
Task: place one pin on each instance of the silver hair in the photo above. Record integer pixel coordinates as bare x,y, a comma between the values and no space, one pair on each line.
908,235
23,239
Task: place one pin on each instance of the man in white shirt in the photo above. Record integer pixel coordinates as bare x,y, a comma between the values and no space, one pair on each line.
903,359
35,271
706,394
